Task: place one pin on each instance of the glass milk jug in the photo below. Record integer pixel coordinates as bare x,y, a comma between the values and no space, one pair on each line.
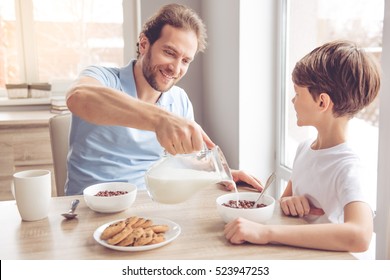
174,179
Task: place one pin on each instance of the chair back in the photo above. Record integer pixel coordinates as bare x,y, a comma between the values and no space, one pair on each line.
59,127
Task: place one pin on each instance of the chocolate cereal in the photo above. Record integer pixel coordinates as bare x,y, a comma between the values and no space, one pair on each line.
111,193
242,204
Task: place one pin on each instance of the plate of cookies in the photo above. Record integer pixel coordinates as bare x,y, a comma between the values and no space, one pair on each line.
137,233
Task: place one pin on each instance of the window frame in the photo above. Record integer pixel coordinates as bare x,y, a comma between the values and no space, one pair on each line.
382,219
283,172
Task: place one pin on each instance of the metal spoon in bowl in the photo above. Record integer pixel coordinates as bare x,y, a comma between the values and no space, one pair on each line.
270,179
70,214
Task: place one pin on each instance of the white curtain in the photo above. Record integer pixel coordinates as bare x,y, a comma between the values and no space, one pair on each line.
382,220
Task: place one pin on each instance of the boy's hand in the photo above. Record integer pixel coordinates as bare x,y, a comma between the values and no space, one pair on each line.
241,230
316,211
299,206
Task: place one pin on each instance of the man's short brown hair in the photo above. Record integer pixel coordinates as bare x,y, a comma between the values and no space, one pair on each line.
349,75
178,16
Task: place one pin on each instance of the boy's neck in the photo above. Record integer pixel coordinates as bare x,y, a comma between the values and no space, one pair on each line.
331,134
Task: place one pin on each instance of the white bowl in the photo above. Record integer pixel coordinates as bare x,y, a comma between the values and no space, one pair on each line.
110,204
259,215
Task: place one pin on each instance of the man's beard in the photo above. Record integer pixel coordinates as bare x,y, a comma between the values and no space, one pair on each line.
149,72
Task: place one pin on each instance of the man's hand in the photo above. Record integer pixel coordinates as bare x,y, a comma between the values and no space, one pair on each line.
178,135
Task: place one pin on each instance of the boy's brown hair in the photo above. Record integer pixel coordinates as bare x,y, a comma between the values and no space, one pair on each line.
349,75
178,16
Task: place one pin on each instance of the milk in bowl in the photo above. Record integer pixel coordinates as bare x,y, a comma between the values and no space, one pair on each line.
174,179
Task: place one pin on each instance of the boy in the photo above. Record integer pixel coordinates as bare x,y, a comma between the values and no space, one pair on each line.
332,84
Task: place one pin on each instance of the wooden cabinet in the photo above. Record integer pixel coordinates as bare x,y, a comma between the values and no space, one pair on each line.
24,144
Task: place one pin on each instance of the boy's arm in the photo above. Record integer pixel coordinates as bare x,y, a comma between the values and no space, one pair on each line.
354,235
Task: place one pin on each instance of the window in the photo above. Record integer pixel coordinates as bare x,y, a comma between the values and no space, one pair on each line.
9,66
44,40
308,24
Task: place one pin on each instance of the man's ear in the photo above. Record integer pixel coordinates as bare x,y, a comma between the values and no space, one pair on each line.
324,101
143,42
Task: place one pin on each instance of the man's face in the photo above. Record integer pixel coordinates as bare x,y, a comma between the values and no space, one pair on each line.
167,60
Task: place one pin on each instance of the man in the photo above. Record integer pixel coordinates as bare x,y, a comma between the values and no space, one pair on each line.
123,119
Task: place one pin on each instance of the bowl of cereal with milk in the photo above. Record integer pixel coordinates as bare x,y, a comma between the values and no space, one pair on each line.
234,205
110,197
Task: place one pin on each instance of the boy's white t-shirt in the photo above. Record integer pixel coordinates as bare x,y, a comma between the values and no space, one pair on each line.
329,178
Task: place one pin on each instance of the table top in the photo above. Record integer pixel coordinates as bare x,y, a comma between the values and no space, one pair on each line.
201,234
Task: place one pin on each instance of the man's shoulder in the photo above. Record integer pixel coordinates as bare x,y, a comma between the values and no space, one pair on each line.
177,90
108,76
176,93
101,70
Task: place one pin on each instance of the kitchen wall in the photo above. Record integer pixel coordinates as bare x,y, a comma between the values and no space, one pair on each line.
221,76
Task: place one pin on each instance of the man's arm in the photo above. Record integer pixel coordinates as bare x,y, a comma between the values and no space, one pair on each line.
95,103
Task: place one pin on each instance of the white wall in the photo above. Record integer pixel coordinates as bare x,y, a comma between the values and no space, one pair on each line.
257,88
239,81
221,76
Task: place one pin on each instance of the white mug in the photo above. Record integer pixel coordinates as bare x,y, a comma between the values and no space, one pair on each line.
32,193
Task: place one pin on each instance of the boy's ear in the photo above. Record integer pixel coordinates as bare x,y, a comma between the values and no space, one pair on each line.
324,101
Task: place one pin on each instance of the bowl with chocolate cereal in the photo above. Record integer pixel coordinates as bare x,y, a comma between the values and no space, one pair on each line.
234,205
110,197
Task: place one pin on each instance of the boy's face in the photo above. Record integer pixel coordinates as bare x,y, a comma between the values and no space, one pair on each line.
166,61
305,106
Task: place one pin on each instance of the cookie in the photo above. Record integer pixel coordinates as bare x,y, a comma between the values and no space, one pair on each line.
139,223
131,220
120,236
159,228
147,223
131,238
145,238
157,238
112,229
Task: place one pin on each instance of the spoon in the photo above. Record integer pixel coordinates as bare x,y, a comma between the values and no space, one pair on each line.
70,214
270,179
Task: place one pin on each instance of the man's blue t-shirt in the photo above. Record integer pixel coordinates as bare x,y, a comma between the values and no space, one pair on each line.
100,154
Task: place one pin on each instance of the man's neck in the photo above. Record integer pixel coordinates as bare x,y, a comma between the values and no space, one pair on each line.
144,91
